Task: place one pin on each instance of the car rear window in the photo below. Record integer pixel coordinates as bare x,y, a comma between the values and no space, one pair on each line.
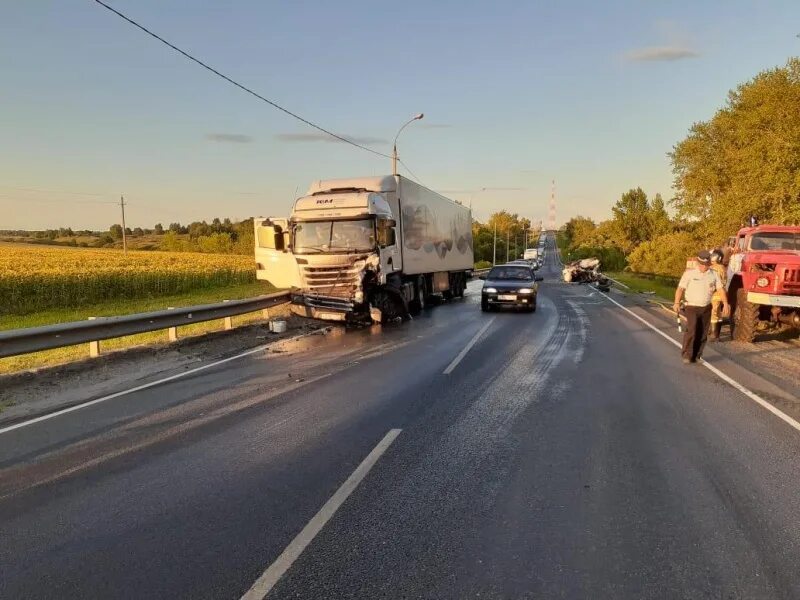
513,273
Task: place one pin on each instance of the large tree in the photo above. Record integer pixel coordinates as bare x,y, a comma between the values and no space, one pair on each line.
746,159
633,216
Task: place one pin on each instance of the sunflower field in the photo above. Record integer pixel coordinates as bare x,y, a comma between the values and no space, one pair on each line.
34,278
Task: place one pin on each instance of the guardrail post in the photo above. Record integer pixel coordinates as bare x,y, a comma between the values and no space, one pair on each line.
227,322
94,346
172,332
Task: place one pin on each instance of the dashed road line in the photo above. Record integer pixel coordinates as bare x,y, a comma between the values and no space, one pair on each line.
276,570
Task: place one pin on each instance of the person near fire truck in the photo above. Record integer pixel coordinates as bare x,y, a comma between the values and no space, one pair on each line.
717,300
697,287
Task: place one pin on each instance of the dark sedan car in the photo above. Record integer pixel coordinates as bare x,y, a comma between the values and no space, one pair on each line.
512,285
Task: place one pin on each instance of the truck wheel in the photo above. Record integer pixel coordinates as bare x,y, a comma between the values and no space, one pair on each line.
745,318
461,286
388,305
417,305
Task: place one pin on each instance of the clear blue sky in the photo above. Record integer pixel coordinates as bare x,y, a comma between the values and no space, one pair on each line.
514,94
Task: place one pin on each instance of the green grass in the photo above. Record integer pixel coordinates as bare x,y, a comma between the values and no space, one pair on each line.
109,309
663,289
114,308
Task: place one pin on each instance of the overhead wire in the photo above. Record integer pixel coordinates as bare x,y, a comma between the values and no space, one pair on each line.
410,172
237,84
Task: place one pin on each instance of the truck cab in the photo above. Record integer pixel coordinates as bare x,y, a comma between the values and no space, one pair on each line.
339,240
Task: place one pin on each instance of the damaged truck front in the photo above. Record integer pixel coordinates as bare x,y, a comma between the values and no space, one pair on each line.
370,248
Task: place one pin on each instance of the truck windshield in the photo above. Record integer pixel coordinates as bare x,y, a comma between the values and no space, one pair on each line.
776,240
334,236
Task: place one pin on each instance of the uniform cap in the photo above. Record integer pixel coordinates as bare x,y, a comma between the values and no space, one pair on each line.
704,257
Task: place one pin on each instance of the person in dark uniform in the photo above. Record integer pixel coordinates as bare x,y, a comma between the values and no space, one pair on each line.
697,287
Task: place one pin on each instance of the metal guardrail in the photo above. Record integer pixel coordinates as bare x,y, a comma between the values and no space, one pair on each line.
33,339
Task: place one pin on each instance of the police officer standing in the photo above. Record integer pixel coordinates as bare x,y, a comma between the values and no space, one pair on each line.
697,286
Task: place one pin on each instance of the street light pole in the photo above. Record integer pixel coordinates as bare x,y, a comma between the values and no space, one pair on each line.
394,146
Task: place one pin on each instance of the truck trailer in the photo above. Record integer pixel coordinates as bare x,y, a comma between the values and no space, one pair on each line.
376,248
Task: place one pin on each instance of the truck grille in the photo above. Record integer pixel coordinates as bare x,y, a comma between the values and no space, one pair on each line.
791,280
338,281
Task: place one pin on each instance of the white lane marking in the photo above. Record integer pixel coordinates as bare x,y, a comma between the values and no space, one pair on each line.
138,388
729,380
275,571
467,348
128,391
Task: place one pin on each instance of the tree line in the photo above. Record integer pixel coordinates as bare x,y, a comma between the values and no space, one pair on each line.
743,162
504,234
220,236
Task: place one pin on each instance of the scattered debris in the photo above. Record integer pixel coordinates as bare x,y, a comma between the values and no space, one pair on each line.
586,270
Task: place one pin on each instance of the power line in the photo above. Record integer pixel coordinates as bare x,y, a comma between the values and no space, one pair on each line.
237,84
410,172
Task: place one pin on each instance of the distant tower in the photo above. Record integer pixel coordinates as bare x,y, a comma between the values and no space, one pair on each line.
551,217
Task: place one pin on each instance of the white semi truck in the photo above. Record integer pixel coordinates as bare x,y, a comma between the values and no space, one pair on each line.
368,248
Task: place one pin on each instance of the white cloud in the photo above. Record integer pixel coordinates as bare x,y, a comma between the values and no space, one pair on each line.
230,138
661,53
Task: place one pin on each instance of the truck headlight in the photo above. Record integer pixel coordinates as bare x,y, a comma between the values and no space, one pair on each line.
489,290
358,297
525,291
762,282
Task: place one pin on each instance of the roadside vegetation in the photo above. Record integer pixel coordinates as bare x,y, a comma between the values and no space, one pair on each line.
661,288
221,236
37,278
744,161
122,307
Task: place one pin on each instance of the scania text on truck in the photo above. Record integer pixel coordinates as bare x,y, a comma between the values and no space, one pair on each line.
371,247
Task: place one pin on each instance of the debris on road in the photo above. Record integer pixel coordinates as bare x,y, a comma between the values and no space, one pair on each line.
586,270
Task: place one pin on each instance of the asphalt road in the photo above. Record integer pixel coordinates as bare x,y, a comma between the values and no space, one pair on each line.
569,453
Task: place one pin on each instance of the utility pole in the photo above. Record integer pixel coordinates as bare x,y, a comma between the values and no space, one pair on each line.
508,237
124,236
